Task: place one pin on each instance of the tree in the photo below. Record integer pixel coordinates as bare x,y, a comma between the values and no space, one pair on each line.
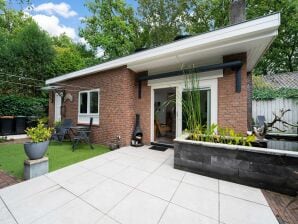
282,55
112,26
69,56
161,20
25,57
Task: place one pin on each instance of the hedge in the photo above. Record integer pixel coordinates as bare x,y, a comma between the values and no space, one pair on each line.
23,106
270,93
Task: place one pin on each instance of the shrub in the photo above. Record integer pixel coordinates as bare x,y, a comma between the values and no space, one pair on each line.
23,106
40,133
224,135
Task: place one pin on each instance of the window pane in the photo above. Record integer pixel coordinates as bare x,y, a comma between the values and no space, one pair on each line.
93,102
83,103
190,98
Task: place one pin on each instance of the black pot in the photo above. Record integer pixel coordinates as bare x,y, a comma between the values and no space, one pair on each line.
7,125
20,122
36,150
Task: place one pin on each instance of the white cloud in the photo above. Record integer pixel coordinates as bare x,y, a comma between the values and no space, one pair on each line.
62,9
52,25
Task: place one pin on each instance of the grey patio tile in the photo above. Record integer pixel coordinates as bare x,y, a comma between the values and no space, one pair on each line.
109,169
107,220
170,172
235,211
111,155
169,162
25,189
66,173
93,162
159,186
74,212
5,216
106,195
82,183
201,181
131,176
32,208
178,215
139,207
147,165
242,191
127,160
197,199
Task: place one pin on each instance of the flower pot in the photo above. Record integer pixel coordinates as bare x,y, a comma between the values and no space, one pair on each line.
36,150
20,122
7,125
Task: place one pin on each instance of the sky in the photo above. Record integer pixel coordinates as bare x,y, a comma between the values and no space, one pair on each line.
61,16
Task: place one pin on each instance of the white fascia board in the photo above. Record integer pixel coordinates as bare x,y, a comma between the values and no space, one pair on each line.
263,24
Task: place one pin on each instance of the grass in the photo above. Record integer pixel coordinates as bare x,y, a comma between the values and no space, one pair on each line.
12,156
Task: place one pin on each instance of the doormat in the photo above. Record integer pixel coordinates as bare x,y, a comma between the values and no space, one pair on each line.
158,148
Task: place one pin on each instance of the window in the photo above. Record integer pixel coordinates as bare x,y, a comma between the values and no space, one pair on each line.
204,106
88,106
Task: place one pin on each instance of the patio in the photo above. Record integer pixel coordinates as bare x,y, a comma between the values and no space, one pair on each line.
131,186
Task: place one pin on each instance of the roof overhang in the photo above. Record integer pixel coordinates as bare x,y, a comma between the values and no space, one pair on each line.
253,37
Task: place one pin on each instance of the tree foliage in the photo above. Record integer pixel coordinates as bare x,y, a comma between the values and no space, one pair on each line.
69,56
29,56
112,26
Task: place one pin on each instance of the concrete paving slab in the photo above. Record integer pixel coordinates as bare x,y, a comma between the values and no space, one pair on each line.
139,207
32,208
74,212
82,183
159,186
242,191
177,215
197,199
131,176
106,195
201,181
234,211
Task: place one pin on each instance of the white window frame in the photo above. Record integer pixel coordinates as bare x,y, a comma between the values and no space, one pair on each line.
84,118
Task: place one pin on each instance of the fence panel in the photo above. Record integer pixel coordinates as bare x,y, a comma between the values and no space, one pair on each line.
268,107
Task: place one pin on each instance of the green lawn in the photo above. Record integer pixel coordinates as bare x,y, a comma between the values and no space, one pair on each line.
12,156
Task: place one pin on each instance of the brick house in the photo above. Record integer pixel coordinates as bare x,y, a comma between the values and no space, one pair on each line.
115,91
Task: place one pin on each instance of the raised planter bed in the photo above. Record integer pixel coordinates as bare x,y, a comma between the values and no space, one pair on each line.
270,169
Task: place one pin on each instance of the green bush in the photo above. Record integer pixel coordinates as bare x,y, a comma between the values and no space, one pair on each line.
40,133
270,93
23,106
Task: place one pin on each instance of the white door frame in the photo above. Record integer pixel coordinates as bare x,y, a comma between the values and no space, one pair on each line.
209,82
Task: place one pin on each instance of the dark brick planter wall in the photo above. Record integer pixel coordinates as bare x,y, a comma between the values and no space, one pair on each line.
277,172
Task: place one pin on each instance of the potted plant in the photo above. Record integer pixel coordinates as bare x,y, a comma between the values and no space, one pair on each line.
40,136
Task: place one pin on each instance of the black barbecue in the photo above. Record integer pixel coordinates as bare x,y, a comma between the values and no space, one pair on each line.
137,136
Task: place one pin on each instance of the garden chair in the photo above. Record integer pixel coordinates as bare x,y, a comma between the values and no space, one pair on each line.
83,135
62,131
260,120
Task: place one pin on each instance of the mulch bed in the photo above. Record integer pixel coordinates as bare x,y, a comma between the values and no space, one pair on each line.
7,180
279,203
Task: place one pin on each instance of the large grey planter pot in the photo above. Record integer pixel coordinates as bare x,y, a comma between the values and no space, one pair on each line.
36,150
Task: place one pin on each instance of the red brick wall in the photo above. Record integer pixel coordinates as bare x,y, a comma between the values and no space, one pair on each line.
232,106
143,107
118,105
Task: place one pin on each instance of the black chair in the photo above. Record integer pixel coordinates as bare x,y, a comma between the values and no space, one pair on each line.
83,134
62,131
260,120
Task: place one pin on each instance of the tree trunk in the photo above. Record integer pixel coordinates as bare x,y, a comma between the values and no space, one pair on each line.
237,11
